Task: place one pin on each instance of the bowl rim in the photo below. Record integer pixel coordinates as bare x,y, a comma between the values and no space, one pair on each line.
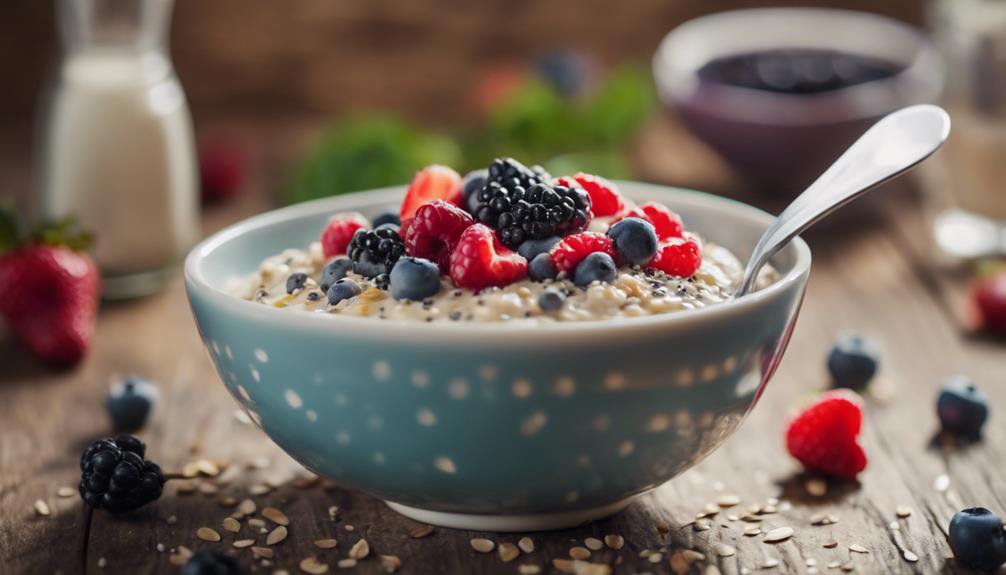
516,332
676,81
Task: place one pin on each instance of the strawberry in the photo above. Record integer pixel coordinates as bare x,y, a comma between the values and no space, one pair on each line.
435,231
49,295
221,170
573,248
432,183
823,436
989,299
678,257
480,260
667,223
604,197
339,231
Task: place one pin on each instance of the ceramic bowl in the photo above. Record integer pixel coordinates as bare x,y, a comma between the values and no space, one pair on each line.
782,142
494,427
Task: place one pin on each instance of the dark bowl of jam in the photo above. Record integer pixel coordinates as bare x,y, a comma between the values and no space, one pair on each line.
781,92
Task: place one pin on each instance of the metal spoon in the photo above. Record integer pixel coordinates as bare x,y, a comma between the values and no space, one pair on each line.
890,147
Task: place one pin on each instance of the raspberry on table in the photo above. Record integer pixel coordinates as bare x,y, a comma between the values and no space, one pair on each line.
115,476
568,253
435,231
681,258
339,232
823,436
480,260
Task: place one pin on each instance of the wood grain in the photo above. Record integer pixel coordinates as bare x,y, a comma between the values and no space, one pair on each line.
873,274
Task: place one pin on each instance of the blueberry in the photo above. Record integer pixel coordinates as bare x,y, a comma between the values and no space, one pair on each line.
977,539
531,248
296,282
541,268
130,403
415,279
853,361
550,300
962,408
343,289
212,562
597,266
635,240
334,271
473,182
388,215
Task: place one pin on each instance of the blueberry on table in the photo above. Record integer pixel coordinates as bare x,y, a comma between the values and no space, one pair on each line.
542,268
635,240
414,279
334,271
343,289
550,300
212,562
597,266
115,476
853,361
296,282
388,215
977,539
130,402
962,408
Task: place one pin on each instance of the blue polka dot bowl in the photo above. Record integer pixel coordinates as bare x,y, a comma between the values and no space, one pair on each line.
494,426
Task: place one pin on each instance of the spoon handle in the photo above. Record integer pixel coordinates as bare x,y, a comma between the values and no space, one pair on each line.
893,145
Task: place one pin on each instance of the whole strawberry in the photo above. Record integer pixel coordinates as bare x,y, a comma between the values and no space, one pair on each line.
49,291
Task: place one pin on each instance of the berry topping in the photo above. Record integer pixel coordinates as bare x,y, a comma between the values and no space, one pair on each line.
531,248
568,253
116,478
414,279
435,231
471,184
130,402
431,183
480,260
212,562
339,232
374,252
387,216
333,271
962,408
680,258
989,296
635,240
550,300
541,268
978,540
853,361
823,437
667,223
342,289
296,282
604,197
520,206
596,267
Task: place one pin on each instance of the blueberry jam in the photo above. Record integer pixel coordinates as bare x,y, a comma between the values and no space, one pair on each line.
797,71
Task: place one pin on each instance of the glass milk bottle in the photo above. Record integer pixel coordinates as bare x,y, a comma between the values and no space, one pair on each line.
117,151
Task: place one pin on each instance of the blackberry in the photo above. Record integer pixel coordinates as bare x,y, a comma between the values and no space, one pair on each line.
520,204
212,562
375,252
115,477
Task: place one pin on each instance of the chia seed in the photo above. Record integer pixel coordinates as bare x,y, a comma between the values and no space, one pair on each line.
455,315
313,296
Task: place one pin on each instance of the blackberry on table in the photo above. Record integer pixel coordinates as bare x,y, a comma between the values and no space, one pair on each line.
375,252
520,204
115,476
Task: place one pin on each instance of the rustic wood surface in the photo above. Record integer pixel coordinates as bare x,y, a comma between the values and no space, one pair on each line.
873,272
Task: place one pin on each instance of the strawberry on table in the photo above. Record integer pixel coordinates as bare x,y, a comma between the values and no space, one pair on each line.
480,260
432,183
823,436
49,292
339,231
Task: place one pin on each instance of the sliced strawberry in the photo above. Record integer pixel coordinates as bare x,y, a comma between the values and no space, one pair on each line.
435,231
678,257
573,248
339,231
667,223
604,197
823,437
432,183
480,260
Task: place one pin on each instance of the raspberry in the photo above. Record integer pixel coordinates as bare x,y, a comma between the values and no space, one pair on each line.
823,437
432,183
678,257
434,232
604,197
667,223
572,249
989,297
480,260
339,232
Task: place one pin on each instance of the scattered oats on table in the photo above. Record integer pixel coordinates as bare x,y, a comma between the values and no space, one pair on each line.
42,508
312,566
276,516
276,535
526,544
208,534
508,552
420,532
360,549
482,545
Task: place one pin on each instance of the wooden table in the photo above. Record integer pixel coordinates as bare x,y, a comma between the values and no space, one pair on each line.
873,273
